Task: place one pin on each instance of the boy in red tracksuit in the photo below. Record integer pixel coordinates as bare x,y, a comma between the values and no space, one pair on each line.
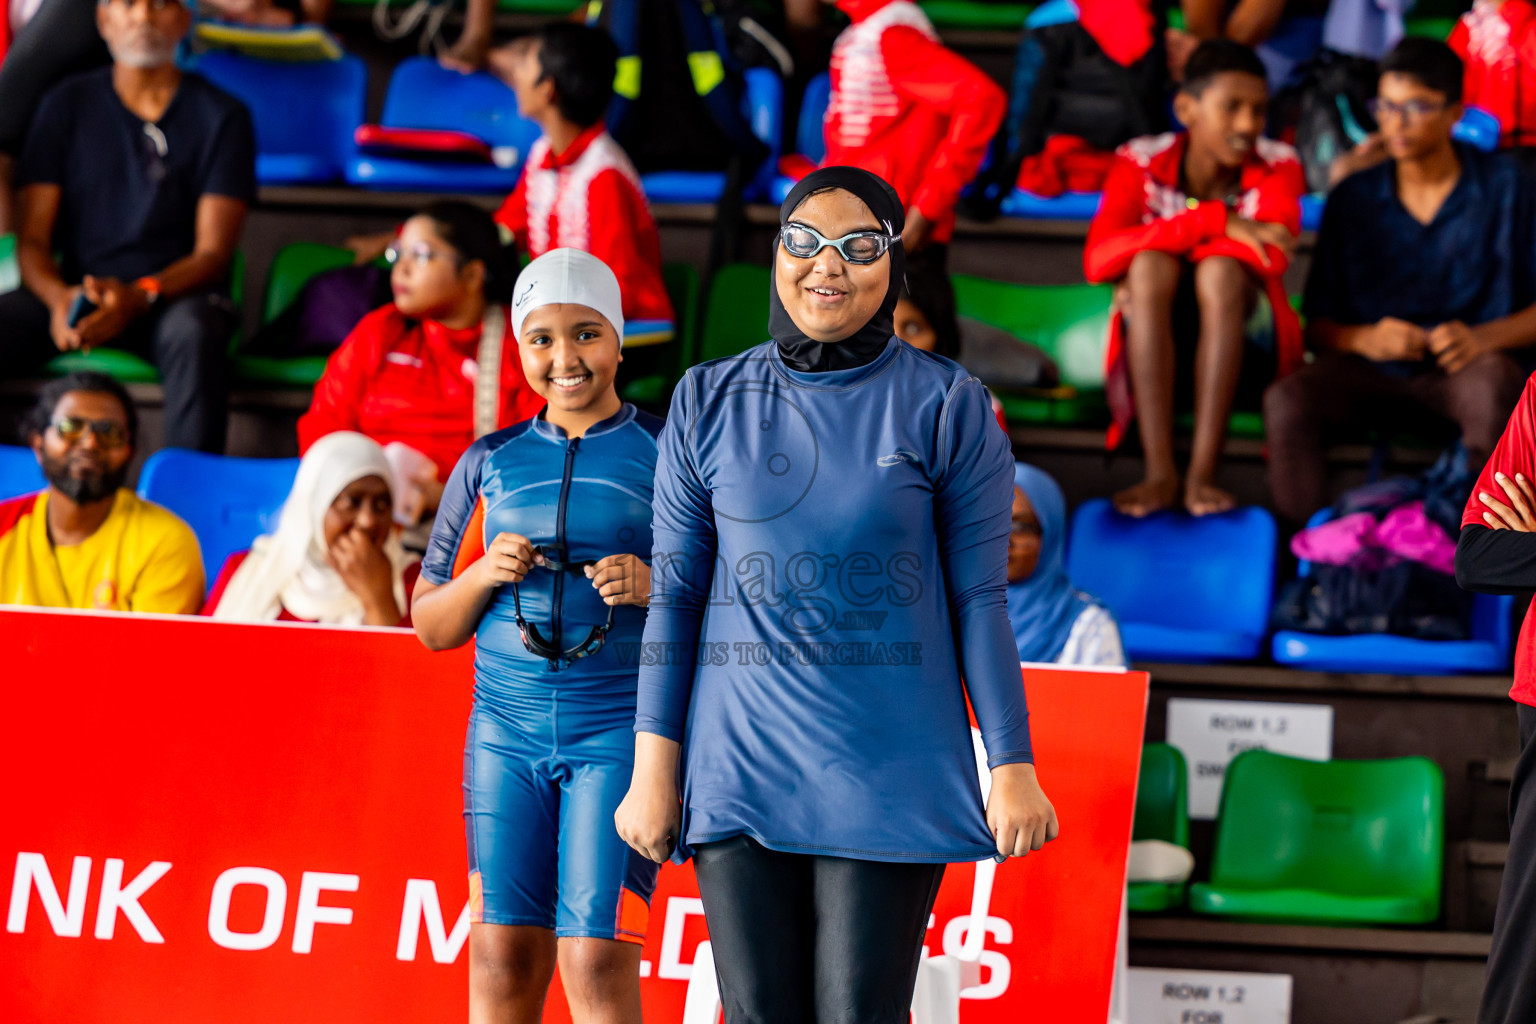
1496,41
1196,230
579,189
909,109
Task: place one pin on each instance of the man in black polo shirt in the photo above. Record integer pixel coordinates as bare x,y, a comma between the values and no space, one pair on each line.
1419,303
139,177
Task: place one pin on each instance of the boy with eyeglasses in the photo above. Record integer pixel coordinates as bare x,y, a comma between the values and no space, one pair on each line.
86,541
1419,302
139,177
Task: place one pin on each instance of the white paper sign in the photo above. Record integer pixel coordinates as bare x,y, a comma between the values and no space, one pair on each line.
1210,733
1207,997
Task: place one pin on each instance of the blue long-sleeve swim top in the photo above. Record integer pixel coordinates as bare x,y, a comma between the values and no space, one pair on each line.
830,560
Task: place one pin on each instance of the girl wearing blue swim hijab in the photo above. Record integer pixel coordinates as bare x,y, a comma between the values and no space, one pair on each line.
1052,620
831,529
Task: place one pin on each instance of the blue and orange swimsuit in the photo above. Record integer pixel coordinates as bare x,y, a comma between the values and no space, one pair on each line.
550,747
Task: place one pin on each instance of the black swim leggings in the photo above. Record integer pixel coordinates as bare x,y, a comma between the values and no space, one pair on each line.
806,939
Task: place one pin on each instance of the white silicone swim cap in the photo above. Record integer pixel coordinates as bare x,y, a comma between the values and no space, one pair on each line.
567,275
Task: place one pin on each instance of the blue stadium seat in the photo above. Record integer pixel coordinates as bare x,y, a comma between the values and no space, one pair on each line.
19,472
810,135
1067,206
1184,589
764,103
1488,650
1478,128
305,113
227,501
1312,210
423,94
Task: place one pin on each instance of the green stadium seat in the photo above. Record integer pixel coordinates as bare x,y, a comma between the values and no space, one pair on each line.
1069,322
1161,813
1338,842
1430,28
296,372
975,14
683,287
10,269
121,366
662,365
292,267
737,314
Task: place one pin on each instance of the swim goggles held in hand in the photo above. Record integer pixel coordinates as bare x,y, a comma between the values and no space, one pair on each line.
534,641
859,247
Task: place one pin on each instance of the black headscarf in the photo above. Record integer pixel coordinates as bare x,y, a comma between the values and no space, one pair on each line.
807,354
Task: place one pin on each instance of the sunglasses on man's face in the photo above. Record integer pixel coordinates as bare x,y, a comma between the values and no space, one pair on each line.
861,247
109,433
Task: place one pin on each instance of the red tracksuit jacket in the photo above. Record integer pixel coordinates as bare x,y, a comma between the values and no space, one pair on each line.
413,381
589,198
909,109
1514,454
1143,209
1497,45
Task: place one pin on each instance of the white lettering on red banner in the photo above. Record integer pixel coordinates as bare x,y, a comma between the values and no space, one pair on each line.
271,923
116,899
310,911
421,904
32,871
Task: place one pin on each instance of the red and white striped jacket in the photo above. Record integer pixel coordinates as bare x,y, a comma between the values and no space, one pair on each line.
589,198
1497,45
909,109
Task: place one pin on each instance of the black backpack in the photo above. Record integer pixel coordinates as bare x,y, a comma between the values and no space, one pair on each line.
1324,111
678,92
1065,84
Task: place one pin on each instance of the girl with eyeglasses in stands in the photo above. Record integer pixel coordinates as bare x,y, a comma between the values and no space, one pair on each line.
539,552
428,373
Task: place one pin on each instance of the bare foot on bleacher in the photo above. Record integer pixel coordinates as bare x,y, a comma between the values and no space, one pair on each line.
1151,495
1203,498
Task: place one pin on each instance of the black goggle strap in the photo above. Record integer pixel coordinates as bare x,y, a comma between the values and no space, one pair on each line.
536,644
560,564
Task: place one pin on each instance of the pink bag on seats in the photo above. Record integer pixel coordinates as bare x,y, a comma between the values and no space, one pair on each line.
1342,541
1407,532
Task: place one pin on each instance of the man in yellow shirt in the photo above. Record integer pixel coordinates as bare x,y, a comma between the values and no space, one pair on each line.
87,541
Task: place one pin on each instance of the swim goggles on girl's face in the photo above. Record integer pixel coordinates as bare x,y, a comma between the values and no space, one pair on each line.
859,247
534,641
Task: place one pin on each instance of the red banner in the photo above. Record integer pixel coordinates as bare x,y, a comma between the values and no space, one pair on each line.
205,822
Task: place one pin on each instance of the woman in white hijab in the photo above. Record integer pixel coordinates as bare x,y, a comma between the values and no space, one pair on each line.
335,556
